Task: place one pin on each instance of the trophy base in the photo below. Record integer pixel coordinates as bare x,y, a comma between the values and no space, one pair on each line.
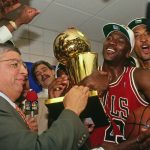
93,110
60,99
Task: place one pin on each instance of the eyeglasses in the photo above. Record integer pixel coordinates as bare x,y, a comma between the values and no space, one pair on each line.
15,63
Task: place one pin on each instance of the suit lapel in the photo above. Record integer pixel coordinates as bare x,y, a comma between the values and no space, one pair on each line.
6,107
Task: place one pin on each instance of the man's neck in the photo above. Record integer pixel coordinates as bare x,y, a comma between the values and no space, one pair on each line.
113,71
144,64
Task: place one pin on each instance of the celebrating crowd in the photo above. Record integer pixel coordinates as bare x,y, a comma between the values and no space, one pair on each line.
122,88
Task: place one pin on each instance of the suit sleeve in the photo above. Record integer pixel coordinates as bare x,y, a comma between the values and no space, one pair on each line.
66,133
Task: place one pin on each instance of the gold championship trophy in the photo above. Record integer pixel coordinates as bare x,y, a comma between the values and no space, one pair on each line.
72,49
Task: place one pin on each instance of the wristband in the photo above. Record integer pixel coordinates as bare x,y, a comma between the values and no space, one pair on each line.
13,24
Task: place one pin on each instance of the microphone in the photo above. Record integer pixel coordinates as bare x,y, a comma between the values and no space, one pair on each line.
31,103
148,15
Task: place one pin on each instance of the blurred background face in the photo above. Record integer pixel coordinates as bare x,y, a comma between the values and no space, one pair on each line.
142,42
44,75
13,73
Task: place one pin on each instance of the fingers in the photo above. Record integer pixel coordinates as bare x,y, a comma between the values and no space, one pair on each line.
32,120
33,124
59,83
76,99
9,9
26,15
84,88
31,11
58,86
13,7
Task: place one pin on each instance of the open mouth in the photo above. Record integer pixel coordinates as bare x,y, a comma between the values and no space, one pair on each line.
110,51
146,49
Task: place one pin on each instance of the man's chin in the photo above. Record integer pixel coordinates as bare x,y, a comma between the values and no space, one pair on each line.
146,57
20,90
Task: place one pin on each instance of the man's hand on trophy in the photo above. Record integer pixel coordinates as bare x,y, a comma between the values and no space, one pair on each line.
58,87
76,99
98,80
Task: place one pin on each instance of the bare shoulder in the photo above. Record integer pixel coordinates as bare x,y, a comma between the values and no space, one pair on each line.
142,78
141,73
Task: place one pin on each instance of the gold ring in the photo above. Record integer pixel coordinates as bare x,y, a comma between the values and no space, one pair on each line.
57,89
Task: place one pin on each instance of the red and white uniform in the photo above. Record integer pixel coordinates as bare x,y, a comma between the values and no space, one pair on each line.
121,98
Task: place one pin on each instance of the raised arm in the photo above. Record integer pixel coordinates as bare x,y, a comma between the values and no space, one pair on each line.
26,15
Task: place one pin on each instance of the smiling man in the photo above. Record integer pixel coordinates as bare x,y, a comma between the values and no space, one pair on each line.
142,41
15,133
44,74
128,88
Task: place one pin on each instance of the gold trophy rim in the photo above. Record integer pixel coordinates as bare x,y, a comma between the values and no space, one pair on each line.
60,99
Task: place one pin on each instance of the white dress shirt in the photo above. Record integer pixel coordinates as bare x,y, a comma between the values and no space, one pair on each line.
5,34
8,100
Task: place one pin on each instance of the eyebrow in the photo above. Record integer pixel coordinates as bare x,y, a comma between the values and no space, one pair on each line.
12,59
40,69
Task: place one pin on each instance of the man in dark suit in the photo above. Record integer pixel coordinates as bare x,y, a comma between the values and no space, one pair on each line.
66,133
